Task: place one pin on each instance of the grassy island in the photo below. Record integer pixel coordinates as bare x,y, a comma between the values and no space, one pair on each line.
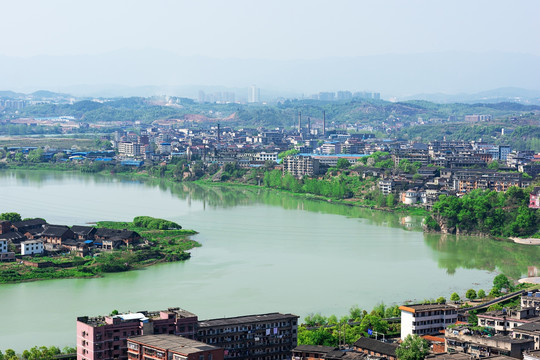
151,241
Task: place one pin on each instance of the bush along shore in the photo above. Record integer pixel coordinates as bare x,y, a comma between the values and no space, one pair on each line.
147,241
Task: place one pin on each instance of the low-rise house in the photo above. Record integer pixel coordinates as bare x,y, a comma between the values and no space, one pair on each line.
170,347
13,237
5,226
530,331
57,234
311,352
26,225
531,355
534,198
483,343
128,237
375,347
504,321
84,232
531,299
32,247
5,254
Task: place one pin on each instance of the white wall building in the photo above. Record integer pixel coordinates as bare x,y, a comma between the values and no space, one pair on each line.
31,247
427,319
264,156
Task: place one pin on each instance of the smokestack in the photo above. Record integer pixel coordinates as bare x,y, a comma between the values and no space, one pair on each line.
324,123
218,133
299,122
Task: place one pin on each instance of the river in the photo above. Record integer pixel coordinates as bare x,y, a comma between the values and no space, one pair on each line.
262,251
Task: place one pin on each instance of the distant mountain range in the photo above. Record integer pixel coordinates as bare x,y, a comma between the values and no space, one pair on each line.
505,94
151,72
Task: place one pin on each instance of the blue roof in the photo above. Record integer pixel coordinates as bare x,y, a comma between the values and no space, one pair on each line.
334,155
88,241
132,162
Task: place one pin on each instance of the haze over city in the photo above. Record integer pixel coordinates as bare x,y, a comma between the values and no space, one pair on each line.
397,48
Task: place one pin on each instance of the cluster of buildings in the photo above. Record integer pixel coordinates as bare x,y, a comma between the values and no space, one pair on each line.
36,236
443,167
508,333
179,334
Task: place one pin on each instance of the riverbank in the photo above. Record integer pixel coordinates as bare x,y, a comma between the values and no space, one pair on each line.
209,180
527,241
156,246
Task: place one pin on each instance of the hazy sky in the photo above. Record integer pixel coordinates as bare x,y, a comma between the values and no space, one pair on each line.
272,29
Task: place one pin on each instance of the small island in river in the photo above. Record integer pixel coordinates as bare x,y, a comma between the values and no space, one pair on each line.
32,249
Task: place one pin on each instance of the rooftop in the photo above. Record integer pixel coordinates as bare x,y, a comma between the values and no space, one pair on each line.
248,319
314,348
426,307
532,326
376,346
173,343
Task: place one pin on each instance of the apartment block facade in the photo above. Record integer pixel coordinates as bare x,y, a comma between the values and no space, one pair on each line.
170,347
106,337
255,337
427,319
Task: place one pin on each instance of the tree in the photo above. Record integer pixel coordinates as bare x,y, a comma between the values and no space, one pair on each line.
356,313
501,282
481,294
441,300
454,297
470,294
343,163
35,156
412,348
374,323
494,165
10,216
472,319
390,199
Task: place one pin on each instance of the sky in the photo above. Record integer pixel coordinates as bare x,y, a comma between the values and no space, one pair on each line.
402,47
277,29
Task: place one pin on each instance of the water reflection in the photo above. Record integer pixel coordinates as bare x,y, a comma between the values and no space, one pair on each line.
483,253
451,252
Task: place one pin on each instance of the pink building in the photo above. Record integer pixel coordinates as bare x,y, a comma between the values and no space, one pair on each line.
105,337
534,201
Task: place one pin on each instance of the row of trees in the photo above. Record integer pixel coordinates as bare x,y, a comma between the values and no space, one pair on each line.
37,353
330,331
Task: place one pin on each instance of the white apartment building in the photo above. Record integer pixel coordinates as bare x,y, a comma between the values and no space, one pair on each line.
426,319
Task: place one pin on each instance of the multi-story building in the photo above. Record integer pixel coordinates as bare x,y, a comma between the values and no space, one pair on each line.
170,347
426,319
129,148
31,247
5,254
530,331
386,186
531,299
105,337
479,344
265,156
253,337
3,246
300,166
504,321
534,199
